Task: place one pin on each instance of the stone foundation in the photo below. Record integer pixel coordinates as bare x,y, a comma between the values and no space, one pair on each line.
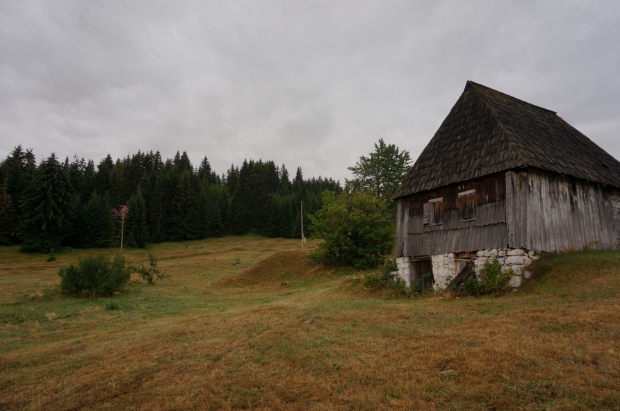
445,265
404,269
444,269
516,259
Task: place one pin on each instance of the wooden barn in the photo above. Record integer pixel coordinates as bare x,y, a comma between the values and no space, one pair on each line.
504,179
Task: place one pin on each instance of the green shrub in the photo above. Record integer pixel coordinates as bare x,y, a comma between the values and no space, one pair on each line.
152,273
356,228
112,305
95,276
494,280
384,280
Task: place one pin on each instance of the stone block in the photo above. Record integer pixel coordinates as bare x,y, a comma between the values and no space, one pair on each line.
502,253
514,260
531,253
516,251
486,253
516,281
480,253
527,274
527,262
518,269
493,253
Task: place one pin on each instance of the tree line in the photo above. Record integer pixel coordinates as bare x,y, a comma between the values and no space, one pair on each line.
77,204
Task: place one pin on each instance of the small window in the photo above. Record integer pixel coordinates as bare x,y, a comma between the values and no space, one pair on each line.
467,205
432,211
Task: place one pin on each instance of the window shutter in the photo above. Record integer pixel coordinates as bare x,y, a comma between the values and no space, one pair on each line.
426,213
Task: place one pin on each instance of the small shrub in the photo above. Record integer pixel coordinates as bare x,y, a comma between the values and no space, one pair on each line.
52,256
95,276
494,280
384,280
112,305
152,273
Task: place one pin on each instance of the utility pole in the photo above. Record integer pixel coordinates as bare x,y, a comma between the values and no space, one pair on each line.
122,230
303,239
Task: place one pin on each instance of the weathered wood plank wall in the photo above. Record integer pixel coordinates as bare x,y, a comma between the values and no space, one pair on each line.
516,208
530,209
615,202
563,213
487,230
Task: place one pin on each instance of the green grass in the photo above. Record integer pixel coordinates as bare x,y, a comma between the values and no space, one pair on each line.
187,342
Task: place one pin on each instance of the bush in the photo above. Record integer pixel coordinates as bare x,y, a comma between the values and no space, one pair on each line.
95,276
494,280
384,280
112,305
151,274
356,230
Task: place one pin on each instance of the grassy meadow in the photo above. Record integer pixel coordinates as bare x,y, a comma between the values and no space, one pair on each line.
231,330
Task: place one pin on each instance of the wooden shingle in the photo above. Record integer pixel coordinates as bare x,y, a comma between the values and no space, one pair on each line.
487,132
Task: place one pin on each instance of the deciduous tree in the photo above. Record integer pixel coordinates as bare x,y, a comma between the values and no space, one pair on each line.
354,229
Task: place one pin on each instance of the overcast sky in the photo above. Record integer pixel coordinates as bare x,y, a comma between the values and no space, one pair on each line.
305,83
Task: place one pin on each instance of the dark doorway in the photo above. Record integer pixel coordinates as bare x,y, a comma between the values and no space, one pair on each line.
422,273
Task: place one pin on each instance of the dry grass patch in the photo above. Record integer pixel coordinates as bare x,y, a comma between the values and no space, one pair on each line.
187,344
281,267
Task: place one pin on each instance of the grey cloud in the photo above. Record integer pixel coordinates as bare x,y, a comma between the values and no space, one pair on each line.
311,84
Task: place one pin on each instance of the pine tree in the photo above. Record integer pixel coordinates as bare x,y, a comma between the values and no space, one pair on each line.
118,185
135,221
285,223
272,230
104,172
7,213
78,236
216,228
182,213
19,168
202,214
46,208
100,221
238,216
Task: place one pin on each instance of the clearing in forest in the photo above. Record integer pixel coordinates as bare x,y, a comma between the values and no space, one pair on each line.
224,333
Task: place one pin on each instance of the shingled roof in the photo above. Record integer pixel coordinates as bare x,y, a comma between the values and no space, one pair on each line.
487,132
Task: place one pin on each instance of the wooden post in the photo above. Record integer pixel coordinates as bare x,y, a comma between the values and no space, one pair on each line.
122,229
303,239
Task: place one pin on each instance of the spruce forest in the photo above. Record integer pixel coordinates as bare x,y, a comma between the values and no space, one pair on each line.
77,204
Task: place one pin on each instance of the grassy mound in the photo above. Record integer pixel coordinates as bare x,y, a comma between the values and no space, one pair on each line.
282,266
590,272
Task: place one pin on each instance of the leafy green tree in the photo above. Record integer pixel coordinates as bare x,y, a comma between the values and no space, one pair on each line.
46,208
382,171
135,221
353,229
